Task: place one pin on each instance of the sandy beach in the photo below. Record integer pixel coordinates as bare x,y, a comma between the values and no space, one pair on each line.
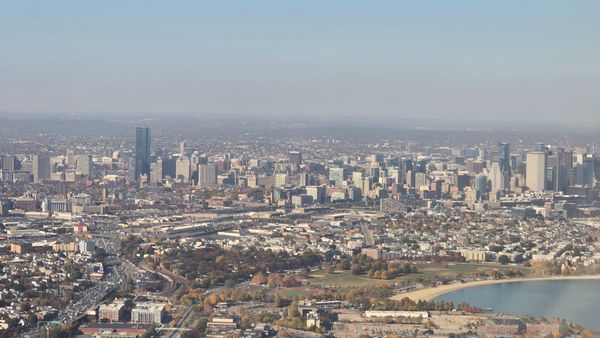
432,292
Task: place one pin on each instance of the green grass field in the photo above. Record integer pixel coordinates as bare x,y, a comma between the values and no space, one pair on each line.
425,271
465,269
343,279
294,292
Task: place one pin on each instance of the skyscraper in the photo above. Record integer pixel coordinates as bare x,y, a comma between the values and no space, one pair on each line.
584,169
559,166
182,169
317,193
41,168
182,148
84,165
142,152
169,167
281,180
207,175
536,171
295,159
504,163
10,163
304,179
496,178
71,158
156,171
337,176
481,185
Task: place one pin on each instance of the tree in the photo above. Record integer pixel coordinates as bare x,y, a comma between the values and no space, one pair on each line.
293,310
67,296
503,259
201,326
328,267
206,306
306,272
99,254
279,302
32,319
496,248
519,259
274,280
213,299
259,278
191,334
230,283
284,333
63,331
245,321
150,332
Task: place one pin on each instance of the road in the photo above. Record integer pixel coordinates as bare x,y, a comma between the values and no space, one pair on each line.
116,278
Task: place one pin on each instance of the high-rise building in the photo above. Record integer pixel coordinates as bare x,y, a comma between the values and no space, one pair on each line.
337,176
496,177
185,149
376,159
536,171
41,168
304,179
367,184
207,175
317,193
281,180
583,170
182,148
10,163
374,172
142,152
295,159
169,167
232,177
71,158
156,171
559,166
397,174
182,169
84,165
421,180
481,185
474,166
540,147
357,177
504,161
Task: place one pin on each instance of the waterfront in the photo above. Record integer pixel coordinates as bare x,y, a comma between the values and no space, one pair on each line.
574,300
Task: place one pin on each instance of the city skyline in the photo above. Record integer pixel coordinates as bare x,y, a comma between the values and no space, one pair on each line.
411,216
301,168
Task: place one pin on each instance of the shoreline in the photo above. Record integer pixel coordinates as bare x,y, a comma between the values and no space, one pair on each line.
433,292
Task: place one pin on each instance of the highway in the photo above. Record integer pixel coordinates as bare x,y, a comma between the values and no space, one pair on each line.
175,281
117,276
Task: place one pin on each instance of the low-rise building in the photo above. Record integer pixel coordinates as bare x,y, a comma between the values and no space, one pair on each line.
111,312
395,314
147,313
501,326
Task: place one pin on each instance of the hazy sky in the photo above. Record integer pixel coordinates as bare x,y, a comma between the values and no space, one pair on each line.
505,59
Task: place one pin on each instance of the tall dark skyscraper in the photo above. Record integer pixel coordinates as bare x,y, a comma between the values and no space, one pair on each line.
504,163
142,152
295,159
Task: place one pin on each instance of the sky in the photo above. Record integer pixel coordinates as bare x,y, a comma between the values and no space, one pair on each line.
512,60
